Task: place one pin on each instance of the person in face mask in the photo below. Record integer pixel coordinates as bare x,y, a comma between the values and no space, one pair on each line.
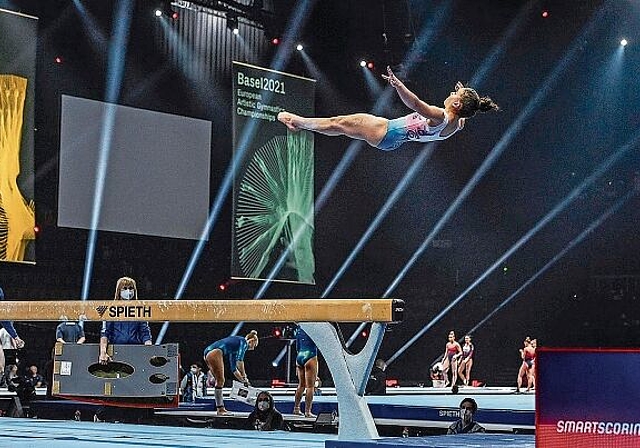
265,416
466,423
123,332
193,384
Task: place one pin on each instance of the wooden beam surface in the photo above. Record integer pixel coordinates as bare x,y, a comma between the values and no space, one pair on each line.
284,310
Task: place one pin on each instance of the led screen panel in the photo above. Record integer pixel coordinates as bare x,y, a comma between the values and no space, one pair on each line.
131,170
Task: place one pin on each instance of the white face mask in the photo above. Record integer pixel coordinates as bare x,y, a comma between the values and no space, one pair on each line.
263,405
465,415
127,294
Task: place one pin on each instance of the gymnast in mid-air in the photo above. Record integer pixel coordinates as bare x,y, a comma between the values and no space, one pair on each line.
428,123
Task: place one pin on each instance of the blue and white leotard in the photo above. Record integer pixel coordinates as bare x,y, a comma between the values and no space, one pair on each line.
413,128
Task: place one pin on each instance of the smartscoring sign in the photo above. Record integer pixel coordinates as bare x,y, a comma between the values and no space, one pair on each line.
587,397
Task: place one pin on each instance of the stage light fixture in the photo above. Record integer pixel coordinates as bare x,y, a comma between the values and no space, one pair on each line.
175,15
158,12
275,41
624,42
370,65
299,47
545,14
363,63
58,60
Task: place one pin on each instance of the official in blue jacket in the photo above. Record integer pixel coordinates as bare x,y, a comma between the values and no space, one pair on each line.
123,332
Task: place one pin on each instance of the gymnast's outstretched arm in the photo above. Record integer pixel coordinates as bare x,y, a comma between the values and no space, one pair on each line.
411,100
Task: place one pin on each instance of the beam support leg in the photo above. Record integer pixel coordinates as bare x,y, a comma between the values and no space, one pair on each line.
350,374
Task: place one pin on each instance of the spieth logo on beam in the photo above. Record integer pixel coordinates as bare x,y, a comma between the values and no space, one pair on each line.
134,311
101,310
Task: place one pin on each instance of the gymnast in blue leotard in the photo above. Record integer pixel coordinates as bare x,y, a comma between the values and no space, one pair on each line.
307,370
428,123
233,348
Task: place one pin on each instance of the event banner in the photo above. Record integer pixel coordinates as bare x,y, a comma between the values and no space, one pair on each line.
273,194
587,398
17,90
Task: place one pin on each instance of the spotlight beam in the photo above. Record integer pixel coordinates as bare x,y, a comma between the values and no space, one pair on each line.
326,89
492,58
495,152
372,83
417,164
352,150
92,29
573,195
115,71
573,243
296,23
504,142
302,12
427,35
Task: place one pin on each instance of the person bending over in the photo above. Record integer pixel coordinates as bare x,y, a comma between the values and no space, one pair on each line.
234,349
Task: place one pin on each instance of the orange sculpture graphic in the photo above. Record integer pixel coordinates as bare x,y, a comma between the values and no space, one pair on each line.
17,215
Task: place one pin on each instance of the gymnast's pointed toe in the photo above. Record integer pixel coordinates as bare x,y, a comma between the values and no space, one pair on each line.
287,119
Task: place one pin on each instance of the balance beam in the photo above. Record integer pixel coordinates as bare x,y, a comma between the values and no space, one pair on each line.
285,310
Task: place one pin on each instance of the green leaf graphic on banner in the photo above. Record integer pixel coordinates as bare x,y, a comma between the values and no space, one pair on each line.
275,208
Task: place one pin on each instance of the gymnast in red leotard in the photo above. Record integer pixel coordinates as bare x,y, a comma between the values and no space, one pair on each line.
528,355
466,361
452,351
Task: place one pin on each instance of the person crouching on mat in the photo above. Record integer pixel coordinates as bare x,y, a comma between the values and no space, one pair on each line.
234,349
307,370
265,416
428,123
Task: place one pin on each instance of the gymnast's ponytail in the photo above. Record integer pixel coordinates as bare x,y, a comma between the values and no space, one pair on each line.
253,334
472,102
486,104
